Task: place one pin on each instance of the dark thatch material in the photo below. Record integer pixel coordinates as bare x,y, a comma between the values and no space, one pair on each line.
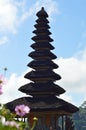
42,88
50,103
43,46
42,31
43,54
41,19
44,37
43,64
38,75
42,13
42,25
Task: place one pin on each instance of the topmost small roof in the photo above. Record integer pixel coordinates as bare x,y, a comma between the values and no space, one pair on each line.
42,13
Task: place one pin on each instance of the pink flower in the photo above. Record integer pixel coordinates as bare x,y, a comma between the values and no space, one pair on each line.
1,92
21,110
2,80
12,124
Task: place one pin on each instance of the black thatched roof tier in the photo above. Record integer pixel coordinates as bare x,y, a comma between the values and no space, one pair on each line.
42,37
50,103
41,89
43,64
42,31
42,75
43,54
42,13
41,20
42,25
42,46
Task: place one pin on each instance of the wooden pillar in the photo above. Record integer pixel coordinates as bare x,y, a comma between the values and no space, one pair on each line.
55,121
48,120
30,120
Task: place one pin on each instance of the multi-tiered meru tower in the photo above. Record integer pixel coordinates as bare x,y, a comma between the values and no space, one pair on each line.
44,101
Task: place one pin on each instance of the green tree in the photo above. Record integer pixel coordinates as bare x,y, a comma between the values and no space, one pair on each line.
80,117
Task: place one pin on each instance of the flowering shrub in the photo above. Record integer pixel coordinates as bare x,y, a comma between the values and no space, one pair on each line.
21,110
7,119
2,82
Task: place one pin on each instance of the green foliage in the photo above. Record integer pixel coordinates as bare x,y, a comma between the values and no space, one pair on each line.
2,127
80,117
6,113
10,123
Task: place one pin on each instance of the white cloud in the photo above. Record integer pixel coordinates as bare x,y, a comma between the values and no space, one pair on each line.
3,40
7,15
10,90
73,72
67,97
10,12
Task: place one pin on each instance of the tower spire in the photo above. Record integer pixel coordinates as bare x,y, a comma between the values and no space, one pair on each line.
43,76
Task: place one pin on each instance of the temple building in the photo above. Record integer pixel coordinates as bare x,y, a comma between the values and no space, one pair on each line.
44,100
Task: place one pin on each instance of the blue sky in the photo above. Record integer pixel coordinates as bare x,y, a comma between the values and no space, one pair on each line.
68,27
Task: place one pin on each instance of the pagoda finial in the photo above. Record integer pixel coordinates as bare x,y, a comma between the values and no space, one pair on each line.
42,8
42,13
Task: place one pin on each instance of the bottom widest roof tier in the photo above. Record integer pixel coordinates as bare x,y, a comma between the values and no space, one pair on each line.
50,103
